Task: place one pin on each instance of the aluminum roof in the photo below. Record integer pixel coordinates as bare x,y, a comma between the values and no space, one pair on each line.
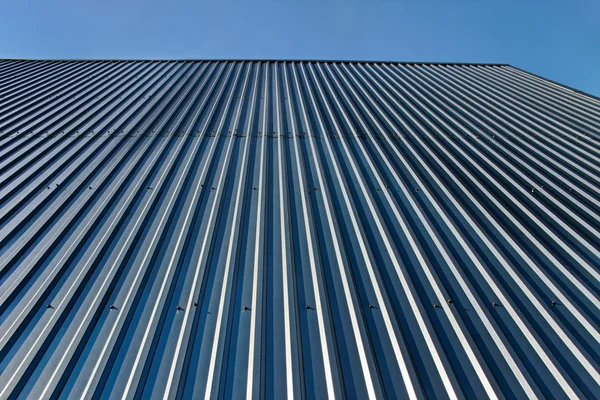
296,229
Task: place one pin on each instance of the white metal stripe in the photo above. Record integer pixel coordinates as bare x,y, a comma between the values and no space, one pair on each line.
258,264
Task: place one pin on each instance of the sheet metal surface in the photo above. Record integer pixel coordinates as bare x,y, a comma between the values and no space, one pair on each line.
296,229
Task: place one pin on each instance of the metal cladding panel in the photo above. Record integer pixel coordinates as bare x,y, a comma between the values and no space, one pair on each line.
296,229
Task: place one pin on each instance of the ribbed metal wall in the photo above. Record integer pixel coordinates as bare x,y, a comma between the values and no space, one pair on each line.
297,229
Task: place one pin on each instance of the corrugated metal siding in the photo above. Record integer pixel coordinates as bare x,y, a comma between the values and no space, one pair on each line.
297,229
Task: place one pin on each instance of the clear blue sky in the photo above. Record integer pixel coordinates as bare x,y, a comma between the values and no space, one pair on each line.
558,39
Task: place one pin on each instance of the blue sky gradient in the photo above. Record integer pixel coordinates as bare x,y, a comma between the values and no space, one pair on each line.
557,39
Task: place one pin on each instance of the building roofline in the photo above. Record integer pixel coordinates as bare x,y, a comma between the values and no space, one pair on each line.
249,60
555,82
